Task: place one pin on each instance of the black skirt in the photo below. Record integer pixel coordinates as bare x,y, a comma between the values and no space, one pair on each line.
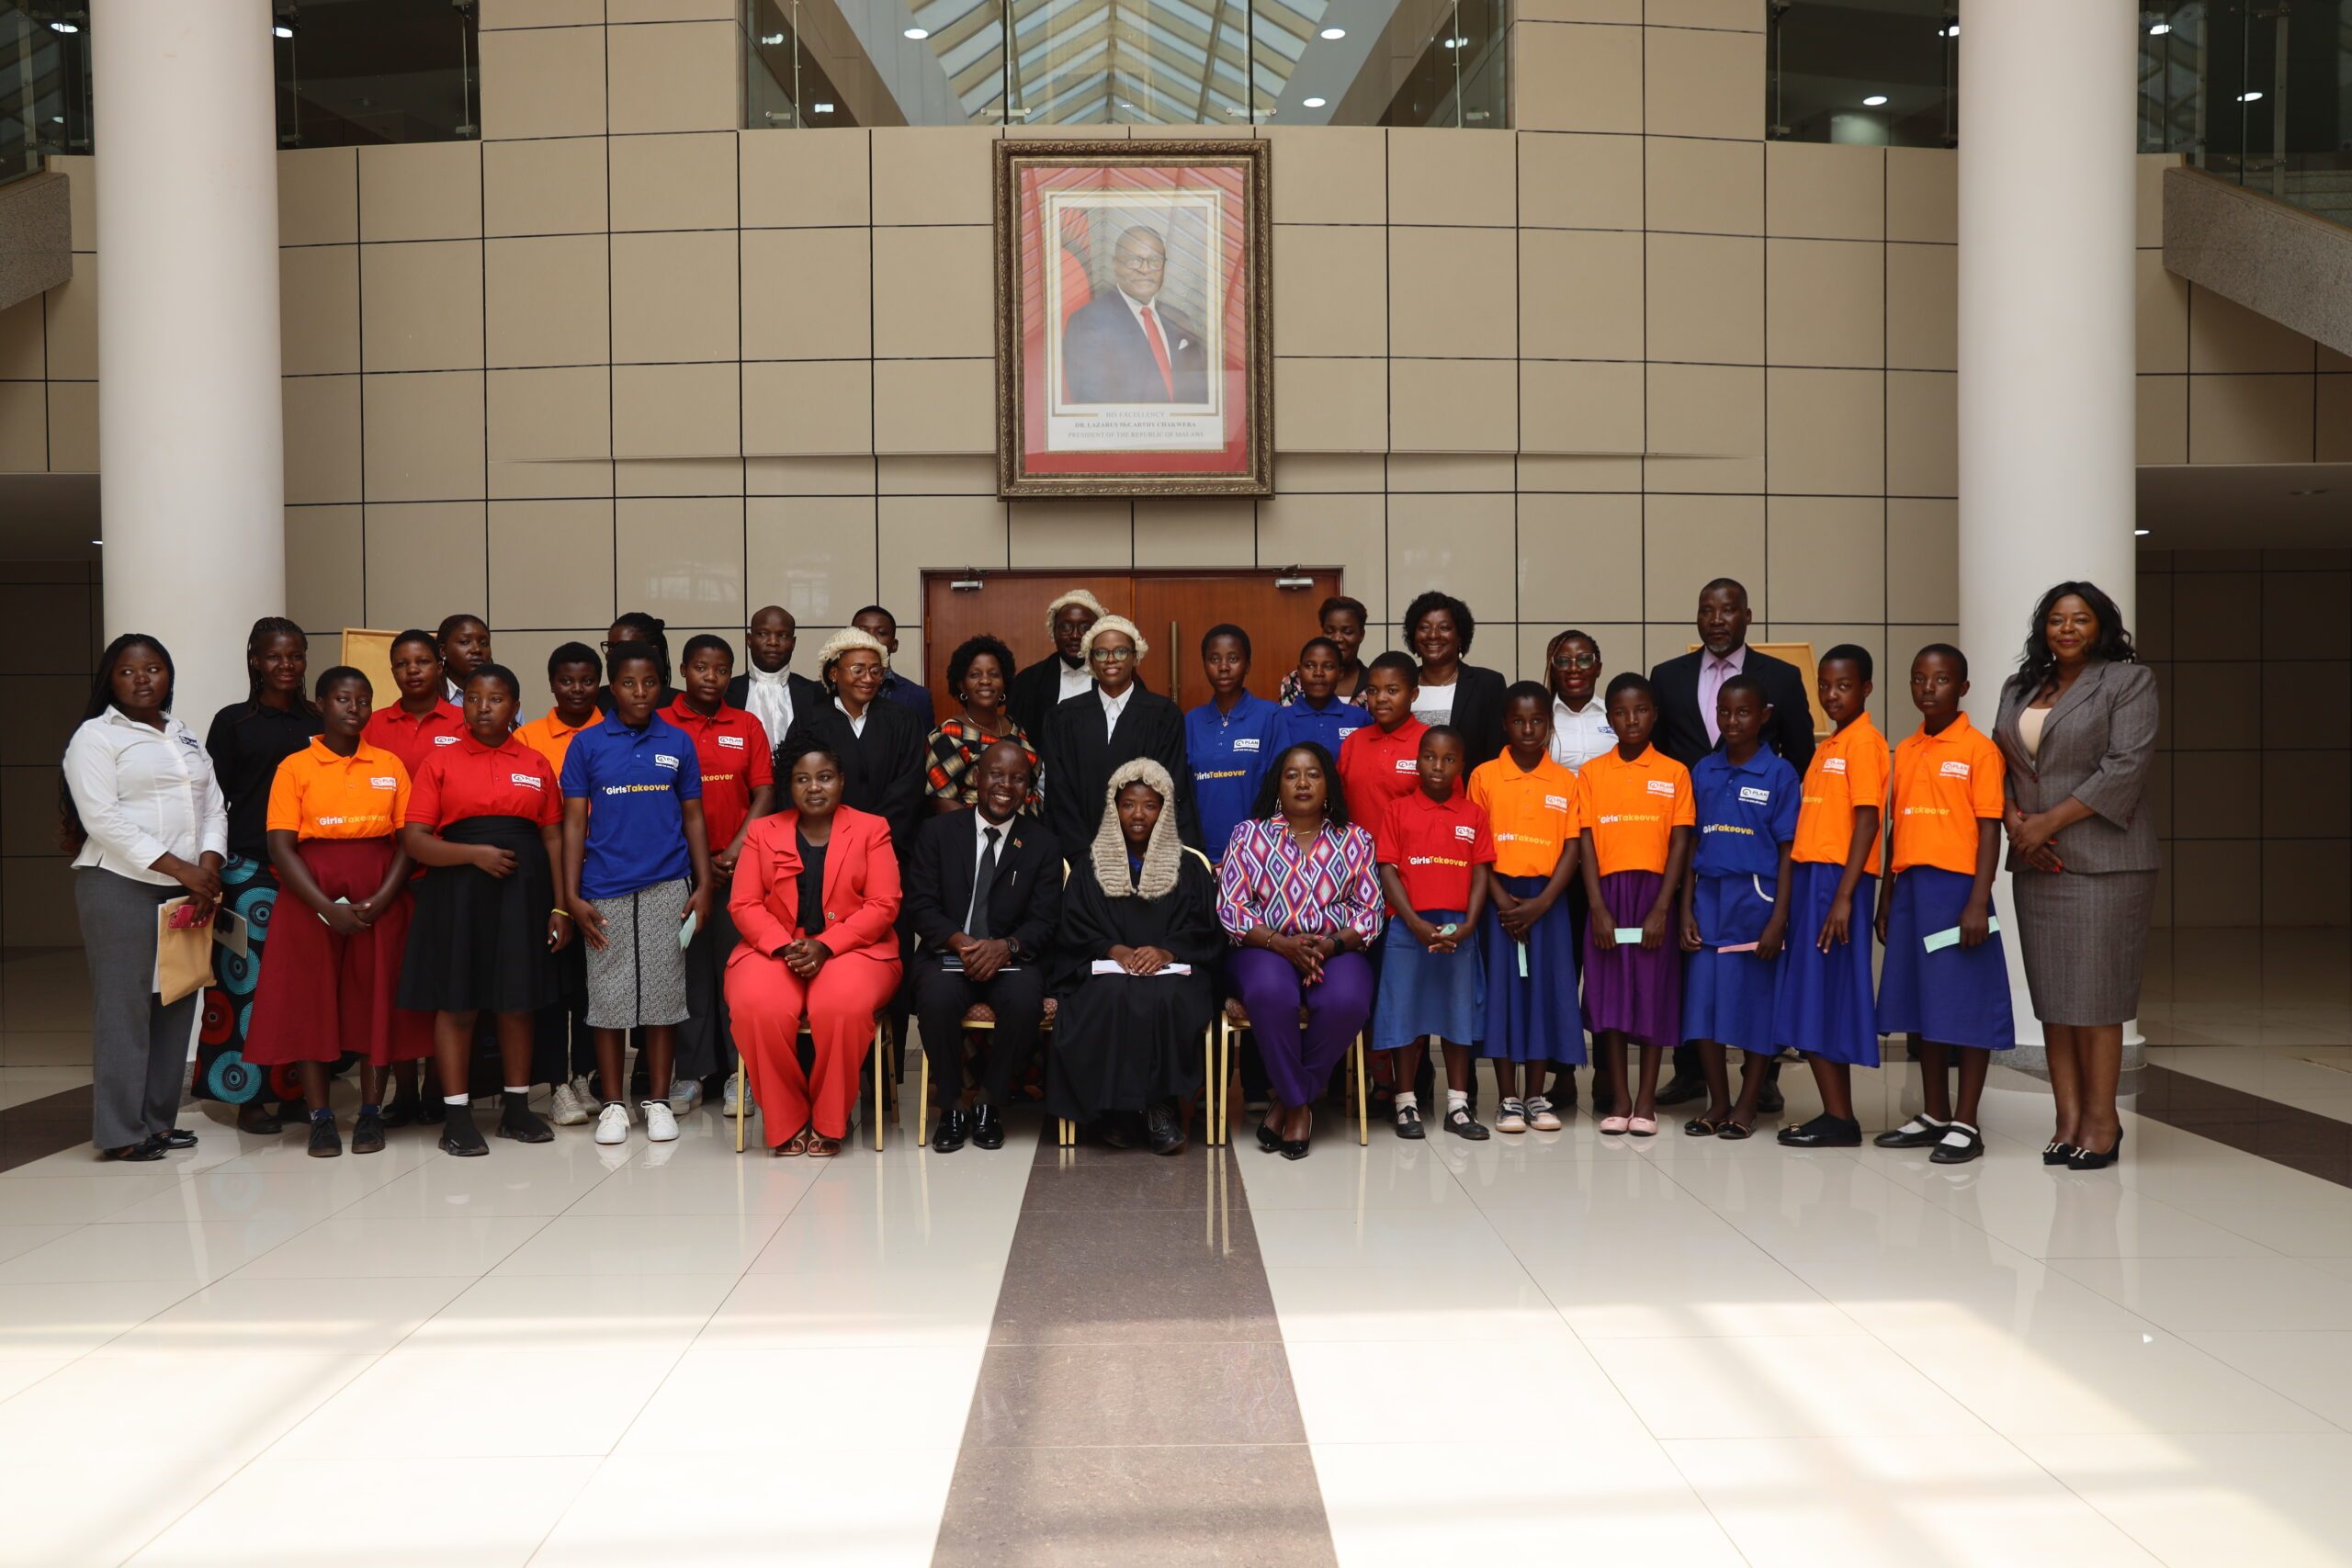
477,941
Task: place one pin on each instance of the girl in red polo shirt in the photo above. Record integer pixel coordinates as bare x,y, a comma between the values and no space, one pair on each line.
483,816
1381,762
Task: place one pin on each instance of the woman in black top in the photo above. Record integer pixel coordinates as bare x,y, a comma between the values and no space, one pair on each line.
1439,627
246,742
879,742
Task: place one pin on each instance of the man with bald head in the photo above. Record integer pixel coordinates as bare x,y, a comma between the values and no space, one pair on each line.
1125,345
983,898
767,689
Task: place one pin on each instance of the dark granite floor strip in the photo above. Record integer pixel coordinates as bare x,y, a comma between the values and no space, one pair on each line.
41,1127
1134,1403
2299,1139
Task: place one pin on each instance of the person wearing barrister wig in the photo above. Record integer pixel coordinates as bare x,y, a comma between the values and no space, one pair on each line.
335,810
1733,929
484,816
877,742
1127,1050
1945,981
816,899
1038,689
1533,1019
1090,736
1823,1006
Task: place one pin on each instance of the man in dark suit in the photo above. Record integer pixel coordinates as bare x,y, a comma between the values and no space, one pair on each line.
882,627
1685,690
984,894
1125,346
768,689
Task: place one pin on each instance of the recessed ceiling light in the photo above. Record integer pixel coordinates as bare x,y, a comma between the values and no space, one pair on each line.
2158,29
1458,43
918,33
1874,101
769,41
1314,103
820,109
1333,33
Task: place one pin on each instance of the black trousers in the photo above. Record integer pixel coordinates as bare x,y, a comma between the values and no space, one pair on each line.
1018,998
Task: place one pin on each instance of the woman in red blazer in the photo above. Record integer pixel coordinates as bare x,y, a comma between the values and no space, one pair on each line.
816,900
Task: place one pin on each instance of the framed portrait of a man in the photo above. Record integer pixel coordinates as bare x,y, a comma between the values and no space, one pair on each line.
1134,348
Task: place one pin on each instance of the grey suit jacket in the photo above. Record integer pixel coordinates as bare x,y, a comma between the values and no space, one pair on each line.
2096,744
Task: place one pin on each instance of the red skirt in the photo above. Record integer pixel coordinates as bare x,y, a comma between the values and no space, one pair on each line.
327,995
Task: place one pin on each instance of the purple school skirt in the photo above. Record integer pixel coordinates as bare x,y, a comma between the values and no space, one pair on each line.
1635,992
1824,1004
1956,996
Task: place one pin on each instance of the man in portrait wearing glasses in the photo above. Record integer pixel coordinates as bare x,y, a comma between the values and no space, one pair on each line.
1125,346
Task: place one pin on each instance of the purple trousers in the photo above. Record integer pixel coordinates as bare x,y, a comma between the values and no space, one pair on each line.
1299,1061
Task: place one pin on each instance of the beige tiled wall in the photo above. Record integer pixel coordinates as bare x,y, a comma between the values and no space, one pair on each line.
51,609
2253,789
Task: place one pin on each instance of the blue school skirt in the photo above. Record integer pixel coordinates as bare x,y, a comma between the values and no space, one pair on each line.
1727,997
1423,992
1823,1004
1534,1017
1955,997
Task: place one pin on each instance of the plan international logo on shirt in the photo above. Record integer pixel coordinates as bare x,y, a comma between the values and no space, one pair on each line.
1750,795
1409,764
1833,765
445,740
382,782
663,759
1246,743
1556,802
1661,786
1466,833
1953,770
731,742
529,781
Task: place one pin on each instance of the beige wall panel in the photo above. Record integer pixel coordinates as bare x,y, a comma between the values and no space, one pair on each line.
564,479
2226,338
1554,473
1823,191
2250,419
424,436
23,338
420,306
2218,614
676,410
1826,431
2305,802
2303,882
1471,322
2299,612
321,433
1331,405
541,13
318,198
933,476
653,477
2162,418
24,427
1690,539
937,291
619,11
809,407
527,538
674,297
806,292
1584,407
1449,473
683,559
1454,405
421,190
1620,11
2149,171
544,187
324,570
2335,420
2332,362
1304,473
933,175
814,475
681,76
674,182
72,324
1714,413
1701,186
1443,178
1826,557
1702,83
794,181
1706,298
2160,314
813,555
1922,434
1742,16
1826,303
1576,78
1922,195
317,308
1330,290
1923,307
1199,531
543,83
1345,530
1922,561
425,561
938,532
553,414
1579,294
1579,182
1463,545
2216,694
934,405
1329,173
546,301
2215,794
1579,557
1046,534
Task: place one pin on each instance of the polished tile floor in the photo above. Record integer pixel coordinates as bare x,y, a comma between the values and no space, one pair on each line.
1669,1350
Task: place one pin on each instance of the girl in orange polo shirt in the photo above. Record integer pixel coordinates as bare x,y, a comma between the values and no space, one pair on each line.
334,815
1637,815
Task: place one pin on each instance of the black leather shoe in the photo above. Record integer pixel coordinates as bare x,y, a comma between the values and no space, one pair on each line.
1770,1103
1680,1090
460,1135
367,1134
1463,1123
1824,1131
955,1130
144,1149
1918,1132
2087,1159
1946,1152
177,1138
1165,1129
988,1128
524,1125
259,1120
1117,1128
324,1142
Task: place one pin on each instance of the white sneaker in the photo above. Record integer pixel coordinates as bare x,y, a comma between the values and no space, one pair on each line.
1513,1117
661,1122
566,1108
734,1097
612,1124
684,1095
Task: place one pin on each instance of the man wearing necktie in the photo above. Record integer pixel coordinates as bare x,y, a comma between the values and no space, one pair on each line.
1125,345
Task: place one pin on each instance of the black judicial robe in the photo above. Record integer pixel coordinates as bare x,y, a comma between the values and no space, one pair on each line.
1079,759
1123,1040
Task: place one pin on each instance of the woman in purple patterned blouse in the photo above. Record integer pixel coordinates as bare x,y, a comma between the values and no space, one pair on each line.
1297,894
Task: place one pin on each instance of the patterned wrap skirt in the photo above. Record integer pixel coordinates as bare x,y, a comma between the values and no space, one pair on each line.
249,891
639,977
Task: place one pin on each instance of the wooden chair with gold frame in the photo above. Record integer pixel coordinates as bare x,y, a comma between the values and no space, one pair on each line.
885,1098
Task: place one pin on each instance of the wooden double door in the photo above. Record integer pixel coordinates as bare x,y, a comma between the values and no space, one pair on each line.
1172,608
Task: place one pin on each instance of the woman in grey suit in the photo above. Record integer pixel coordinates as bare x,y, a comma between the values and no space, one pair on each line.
2078,728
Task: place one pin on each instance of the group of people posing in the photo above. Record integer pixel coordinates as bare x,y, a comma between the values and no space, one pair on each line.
1407,849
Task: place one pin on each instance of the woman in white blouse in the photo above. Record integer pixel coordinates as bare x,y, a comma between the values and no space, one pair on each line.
1579,718
146,820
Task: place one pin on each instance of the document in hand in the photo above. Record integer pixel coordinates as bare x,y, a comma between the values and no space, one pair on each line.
1113,966
183,953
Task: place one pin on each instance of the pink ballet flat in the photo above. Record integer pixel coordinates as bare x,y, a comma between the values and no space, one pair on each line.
1613,1126
1642,1126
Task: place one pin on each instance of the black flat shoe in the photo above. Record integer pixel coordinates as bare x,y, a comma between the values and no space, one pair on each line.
954,1131
460,1136
259,1120
367,1133
145,1149
1970,1146
1462,1124
177,1138
324,1142
1919,1132
988,1128
1114,1130
1824,1131
1408,1124
524,1125
2083,1159
1165,1129
2057,1153
1770,1103
1680,1090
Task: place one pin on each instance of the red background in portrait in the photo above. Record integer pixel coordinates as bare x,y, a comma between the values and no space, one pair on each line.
1037,254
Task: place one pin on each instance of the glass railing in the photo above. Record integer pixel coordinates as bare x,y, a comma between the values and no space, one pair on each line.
1871,72
2258,91
44,86
815,64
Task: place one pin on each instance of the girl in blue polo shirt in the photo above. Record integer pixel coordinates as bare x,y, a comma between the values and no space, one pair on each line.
636,867
1317,712
1228,740
1732,927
